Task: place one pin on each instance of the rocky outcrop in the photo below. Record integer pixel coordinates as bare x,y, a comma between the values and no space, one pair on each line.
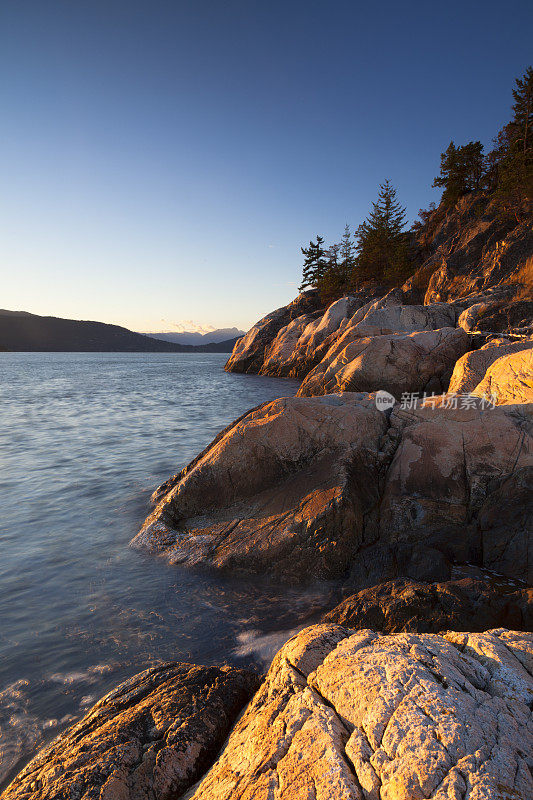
280,359
299,345
303,488
249,352
368,716
149,739
283,491
396,363
473,248
470,369
476,273
509,379
465,604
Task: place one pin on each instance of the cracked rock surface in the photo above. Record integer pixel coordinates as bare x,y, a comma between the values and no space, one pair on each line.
149,739
345,715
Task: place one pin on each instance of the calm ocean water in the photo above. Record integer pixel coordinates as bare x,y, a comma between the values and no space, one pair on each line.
84,439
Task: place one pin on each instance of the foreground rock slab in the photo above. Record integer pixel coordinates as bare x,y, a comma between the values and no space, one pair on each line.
149,739
373,717
282,491
305,488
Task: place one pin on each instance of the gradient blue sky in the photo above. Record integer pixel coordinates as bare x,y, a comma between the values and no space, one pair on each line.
164,161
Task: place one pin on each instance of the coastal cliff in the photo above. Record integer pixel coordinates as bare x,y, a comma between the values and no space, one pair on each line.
402,472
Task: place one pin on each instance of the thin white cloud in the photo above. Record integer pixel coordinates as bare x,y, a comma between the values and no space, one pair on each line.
185,326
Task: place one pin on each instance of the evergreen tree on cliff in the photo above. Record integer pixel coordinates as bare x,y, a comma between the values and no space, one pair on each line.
461,171
382,246
347,255
510,164
335,281
523,110
315,264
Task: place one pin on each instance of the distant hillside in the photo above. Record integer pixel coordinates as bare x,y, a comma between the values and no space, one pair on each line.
23,332
190,337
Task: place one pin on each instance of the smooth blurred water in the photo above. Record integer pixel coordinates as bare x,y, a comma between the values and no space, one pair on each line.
84,440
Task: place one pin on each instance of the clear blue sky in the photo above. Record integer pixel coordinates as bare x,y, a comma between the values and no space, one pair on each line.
163,161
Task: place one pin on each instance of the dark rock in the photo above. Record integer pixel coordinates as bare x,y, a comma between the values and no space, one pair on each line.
505,524
465,604
149,739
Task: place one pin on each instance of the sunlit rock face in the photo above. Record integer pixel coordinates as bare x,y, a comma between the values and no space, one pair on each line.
474,249
509,379
361,715
298,346
340,715
249,352
470,369
149,739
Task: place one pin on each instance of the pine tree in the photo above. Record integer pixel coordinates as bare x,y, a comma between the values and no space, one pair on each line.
510,163
308,253
523,109
461,171
330,283
382,246
315,263
347,255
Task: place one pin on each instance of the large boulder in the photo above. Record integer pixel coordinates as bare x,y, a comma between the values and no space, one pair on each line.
283,491
152,737
463,604
470,369
305,488
509,379
397,363
448,463
248,354
363,716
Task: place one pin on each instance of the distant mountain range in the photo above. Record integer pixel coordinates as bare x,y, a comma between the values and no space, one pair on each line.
190,337
24,332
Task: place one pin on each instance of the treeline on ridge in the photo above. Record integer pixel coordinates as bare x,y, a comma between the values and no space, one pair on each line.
382,250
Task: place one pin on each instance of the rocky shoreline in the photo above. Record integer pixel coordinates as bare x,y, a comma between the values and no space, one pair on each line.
419,684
